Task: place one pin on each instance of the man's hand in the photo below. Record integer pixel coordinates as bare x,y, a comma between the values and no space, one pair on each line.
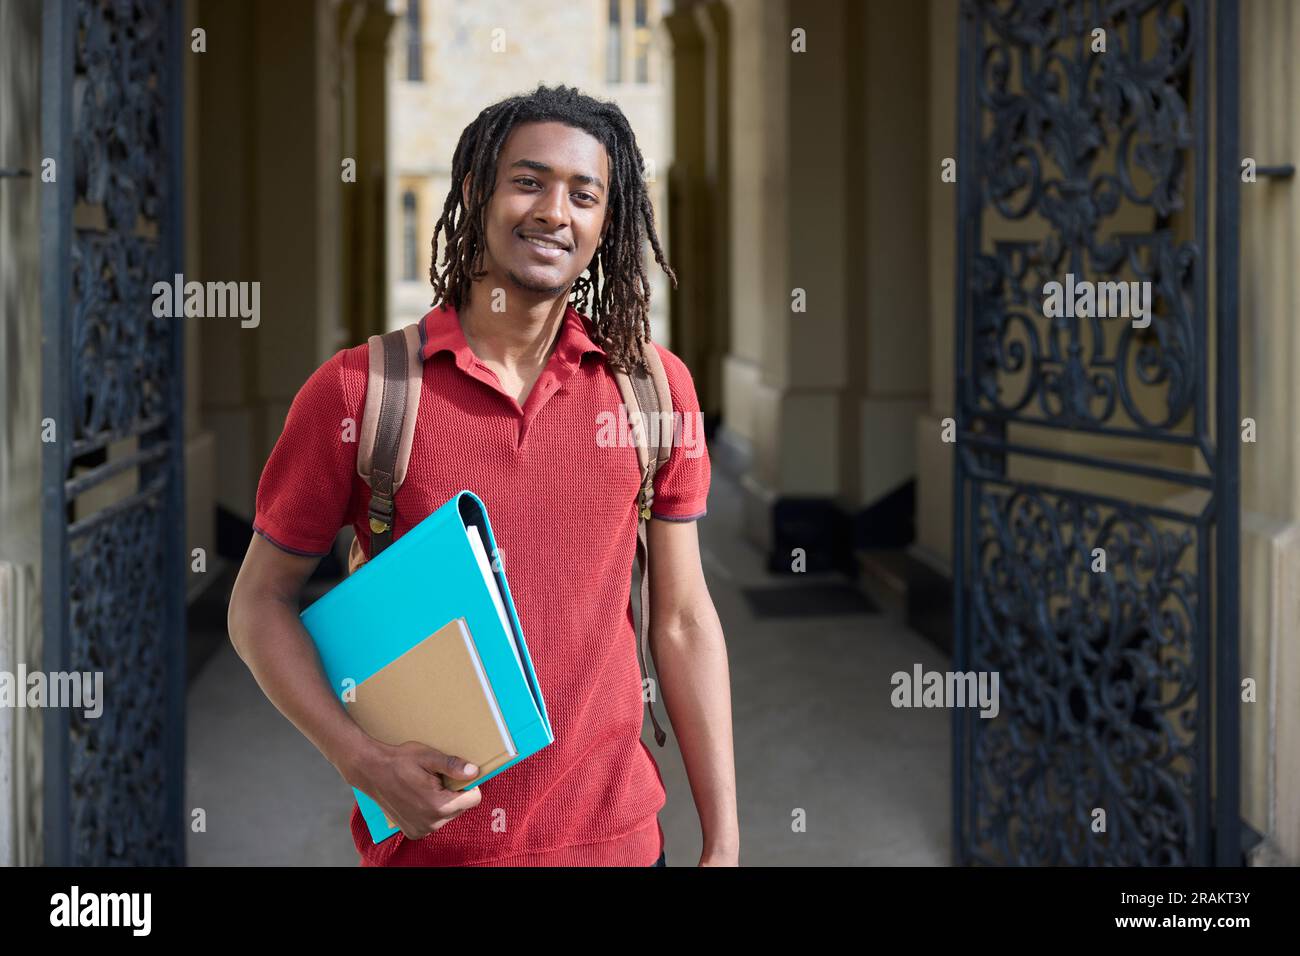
405,781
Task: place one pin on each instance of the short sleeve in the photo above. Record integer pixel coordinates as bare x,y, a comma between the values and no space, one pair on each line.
305,493
682,484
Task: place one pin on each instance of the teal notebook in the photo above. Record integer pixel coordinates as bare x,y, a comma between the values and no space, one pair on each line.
425,579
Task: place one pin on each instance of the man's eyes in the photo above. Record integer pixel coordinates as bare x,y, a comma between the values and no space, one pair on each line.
528,179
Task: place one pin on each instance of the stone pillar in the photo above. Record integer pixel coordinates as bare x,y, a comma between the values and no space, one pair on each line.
1270,394
891,171
699,35
20,424
786,369
715,26
934,457
200,443
365,232
687,231
753,85
228,241
269,212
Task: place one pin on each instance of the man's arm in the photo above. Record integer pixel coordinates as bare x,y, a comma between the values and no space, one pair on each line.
269,637
690,656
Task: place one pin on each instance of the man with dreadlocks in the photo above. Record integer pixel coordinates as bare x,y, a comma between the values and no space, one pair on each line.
547,213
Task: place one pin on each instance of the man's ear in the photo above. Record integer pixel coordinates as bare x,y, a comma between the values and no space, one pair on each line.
464,190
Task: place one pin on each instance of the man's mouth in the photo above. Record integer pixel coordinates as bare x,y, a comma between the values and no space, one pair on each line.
546,248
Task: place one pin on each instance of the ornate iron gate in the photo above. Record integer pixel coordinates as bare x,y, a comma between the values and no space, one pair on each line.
1075,160
113,523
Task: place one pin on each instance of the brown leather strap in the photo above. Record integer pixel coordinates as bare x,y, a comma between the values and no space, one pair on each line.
388,425
646,465
645,395
643,562
659,394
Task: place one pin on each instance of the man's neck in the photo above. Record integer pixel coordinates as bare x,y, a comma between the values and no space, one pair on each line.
520,338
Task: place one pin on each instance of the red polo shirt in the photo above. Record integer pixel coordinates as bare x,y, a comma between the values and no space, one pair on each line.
562,504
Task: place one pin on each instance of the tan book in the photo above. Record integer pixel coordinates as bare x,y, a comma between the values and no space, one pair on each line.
438,694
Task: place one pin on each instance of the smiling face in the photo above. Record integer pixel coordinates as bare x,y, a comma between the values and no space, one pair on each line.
548,214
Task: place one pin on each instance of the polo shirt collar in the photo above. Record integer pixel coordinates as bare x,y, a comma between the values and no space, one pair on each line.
440,331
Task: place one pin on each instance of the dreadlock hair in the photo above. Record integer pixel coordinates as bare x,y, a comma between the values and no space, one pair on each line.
621,305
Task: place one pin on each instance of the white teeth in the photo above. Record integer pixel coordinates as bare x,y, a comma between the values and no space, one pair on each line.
545,244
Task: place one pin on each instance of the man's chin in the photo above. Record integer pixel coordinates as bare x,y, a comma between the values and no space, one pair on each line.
539,285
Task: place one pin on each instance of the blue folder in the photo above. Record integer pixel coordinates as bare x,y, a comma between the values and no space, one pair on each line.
424,579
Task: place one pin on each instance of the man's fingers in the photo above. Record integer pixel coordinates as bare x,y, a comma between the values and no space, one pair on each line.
460,768
436,762
463,801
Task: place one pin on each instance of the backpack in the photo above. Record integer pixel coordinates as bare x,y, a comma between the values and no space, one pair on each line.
388,428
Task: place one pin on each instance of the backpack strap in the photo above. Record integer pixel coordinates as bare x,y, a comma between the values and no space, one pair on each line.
649,410
388,428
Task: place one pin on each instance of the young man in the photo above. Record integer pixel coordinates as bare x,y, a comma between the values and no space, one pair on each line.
546,187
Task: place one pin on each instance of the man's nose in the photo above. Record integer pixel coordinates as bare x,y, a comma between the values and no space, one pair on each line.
553,206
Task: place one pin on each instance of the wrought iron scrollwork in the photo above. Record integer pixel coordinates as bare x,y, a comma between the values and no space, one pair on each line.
118,104
1076,140
1098,681
117,774
115,604
1091,165
122,369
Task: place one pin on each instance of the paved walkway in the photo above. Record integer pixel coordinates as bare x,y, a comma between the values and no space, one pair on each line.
814,731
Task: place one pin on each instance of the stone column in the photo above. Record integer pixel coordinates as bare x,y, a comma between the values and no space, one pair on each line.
20,424
714,20
687,228
269,212
934,457
1270,394
786,368
200,443
892,170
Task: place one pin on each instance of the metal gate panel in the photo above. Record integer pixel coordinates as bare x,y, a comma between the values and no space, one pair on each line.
113,516
1114,684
